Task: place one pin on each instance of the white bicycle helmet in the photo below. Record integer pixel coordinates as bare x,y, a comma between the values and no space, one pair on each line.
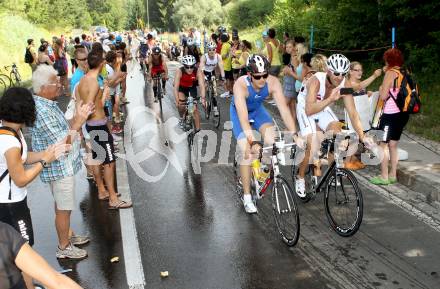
188,60
156,50
211,45
338,63
257,63
189,42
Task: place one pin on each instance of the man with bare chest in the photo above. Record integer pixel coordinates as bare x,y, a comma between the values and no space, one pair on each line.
91,88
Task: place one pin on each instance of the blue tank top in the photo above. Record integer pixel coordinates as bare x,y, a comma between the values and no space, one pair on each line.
255,99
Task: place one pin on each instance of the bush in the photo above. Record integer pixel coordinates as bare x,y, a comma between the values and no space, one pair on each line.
249,13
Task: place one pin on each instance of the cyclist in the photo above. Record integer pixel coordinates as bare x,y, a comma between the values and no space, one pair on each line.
314,112
250,91
143,54
185,82
208,62
157,65
192,49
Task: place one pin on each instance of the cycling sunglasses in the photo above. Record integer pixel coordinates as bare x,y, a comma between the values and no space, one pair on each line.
189,67
338,73
258,77
81,59
211,50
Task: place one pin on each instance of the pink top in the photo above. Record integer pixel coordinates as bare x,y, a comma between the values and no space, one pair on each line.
390,105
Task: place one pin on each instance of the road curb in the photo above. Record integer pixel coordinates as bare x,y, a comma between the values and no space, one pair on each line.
426,186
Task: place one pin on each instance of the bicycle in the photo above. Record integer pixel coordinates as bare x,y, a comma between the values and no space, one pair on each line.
284,206
188,121
158,94
342,192
5,81
211,97
14,76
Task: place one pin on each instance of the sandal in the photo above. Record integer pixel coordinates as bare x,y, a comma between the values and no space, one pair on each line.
105,198
379,181
120,205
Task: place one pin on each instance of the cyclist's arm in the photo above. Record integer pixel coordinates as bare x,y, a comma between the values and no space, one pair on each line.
177,77
354,115
35,266
202,63
201,80
387,84
313,106
240,93
165,68
150,63
280,99
220,66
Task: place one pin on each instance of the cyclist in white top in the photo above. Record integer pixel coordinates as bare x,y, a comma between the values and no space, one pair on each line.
314,113
208,63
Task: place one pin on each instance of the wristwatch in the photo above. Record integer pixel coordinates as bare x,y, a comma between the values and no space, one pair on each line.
43,163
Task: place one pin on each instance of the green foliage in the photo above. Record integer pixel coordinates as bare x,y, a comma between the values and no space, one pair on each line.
197,13
248,13
135,14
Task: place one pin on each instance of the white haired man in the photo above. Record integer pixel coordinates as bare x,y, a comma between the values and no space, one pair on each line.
51,127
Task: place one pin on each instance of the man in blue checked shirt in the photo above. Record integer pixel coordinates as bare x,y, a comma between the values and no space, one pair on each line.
52,127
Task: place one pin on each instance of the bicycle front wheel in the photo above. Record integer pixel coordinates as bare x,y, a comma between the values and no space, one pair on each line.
3,86
215,115
208,102
285,212
343,203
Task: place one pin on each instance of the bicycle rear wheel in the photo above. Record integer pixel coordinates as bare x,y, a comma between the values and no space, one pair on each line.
15,78
343,203
285,212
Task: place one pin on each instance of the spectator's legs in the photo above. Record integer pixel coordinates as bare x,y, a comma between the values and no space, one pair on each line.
384,164
62,225
394,158
109,178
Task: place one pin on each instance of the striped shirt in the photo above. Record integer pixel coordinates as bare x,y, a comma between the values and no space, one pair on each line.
51,127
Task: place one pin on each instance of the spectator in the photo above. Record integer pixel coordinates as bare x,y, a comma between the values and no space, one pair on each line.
51,127
86,43
235,56
354,77
17,109
393,121
43,55
227,65
272,51
290,75
246,48
300,50
61,66
18,258
31,48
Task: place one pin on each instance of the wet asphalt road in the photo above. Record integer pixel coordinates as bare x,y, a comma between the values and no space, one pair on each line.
194,226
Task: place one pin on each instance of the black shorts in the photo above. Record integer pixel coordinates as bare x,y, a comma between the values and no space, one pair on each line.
187,90
393,125
229,75
124,67
236,71
209,74
18,216
103,149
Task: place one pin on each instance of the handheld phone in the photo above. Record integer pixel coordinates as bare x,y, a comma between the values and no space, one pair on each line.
346,90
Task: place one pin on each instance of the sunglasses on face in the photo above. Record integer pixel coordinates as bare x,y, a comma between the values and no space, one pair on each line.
211,50
81,59
338,73
189,67
258,77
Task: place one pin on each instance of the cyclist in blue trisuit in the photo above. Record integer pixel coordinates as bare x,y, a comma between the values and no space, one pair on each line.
250,91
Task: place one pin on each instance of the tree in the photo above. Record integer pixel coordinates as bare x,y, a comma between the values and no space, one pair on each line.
197,13
135,14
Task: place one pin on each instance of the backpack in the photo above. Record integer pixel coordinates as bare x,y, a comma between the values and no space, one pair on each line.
405,92
4,130
28,57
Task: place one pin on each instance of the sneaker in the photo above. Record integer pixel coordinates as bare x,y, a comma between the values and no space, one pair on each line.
79,240
249,207
116,137
215,110
225,94
300,188
71,252
392,181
